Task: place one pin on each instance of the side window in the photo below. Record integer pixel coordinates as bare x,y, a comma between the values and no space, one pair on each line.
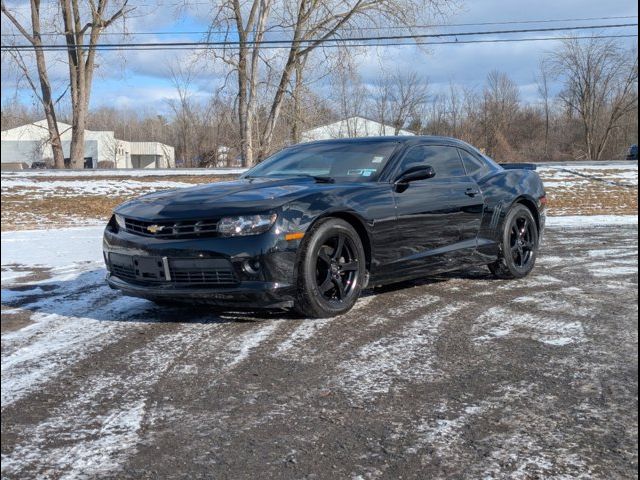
471,164
444,160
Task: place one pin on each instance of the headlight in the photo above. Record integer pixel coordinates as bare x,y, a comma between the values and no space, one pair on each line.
120,222
246,225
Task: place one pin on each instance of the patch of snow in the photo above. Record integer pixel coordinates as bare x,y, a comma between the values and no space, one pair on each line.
307,329
79,188
407,356
500,322
587,221
613,271
123,172
246,343
51,248
95,443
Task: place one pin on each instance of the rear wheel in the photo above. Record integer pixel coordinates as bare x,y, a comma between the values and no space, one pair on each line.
331,271
519,247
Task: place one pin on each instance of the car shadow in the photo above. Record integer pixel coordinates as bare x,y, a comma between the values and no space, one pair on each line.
478,273
87,295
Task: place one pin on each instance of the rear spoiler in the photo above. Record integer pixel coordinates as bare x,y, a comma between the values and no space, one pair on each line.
519,166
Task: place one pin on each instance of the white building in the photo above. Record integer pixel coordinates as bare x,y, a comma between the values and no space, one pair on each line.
22,146
350,128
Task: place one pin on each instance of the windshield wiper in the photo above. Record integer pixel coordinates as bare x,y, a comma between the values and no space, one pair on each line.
317,178
320,179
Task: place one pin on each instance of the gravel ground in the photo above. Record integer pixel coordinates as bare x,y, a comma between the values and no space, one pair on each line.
460,376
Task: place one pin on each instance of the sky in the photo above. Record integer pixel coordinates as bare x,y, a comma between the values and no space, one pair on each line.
140,80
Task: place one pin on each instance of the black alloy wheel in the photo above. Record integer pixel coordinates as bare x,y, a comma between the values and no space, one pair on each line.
332,269
337,268
519,245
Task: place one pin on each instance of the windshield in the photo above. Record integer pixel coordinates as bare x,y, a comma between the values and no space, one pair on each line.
339,161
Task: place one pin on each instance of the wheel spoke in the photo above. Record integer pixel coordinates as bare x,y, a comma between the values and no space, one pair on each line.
326,285
349,267
324,256
337,253
337,281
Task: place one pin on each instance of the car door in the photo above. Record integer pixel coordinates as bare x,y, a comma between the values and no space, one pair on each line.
438,219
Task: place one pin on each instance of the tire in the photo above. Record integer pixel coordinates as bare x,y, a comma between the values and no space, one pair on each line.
331,270
519,245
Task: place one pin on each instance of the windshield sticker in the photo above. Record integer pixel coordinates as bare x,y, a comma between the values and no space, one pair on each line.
362,172
377,159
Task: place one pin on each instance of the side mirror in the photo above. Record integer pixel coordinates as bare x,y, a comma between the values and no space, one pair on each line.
415,174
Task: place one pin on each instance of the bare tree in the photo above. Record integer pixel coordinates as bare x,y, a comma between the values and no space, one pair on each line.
78,28
83,24
542,79
349,95
42,86
14,113
501,102
399,97
600,85
311,24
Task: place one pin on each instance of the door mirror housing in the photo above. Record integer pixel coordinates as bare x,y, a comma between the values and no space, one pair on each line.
415,174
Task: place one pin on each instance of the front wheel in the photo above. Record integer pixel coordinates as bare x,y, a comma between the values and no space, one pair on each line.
331,271
519,245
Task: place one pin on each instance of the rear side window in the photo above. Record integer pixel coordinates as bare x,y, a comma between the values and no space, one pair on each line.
471,164
444,160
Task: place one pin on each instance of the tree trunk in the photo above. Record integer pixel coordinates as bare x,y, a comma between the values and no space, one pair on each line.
276,105
296,133
45,97
76,150
49,111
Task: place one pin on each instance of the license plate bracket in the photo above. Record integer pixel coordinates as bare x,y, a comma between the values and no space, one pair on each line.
149,268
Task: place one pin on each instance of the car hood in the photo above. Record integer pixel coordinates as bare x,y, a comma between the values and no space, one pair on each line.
220,198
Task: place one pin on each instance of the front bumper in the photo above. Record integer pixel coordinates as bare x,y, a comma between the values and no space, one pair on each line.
272,285
246,296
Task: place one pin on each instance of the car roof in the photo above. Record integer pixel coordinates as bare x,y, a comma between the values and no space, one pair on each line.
405,139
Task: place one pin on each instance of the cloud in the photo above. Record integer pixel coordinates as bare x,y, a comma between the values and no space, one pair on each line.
134,77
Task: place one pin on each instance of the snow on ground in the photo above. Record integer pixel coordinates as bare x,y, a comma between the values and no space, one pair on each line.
55,249
438,375
577,221
75,188
124,172
54,278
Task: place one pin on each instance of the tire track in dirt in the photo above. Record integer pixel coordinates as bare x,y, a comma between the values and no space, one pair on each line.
110,415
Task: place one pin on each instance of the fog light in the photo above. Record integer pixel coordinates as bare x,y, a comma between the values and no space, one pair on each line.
252,266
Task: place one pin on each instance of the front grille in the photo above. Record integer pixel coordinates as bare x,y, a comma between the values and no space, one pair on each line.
208,276
173,229
183,271
122,271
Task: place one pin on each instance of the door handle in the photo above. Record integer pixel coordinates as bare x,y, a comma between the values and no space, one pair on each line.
472,192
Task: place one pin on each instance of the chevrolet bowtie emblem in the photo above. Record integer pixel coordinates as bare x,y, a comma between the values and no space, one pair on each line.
154,228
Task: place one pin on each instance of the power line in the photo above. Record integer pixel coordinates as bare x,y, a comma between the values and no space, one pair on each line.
450,42
397,27
303,43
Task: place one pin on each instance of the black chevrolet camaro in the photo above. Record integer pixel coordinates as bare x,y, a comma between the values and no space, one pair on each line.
314,224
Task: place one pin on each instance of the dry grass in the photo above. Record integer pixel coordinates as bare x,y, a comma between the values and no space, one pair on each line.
21,209
604,192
